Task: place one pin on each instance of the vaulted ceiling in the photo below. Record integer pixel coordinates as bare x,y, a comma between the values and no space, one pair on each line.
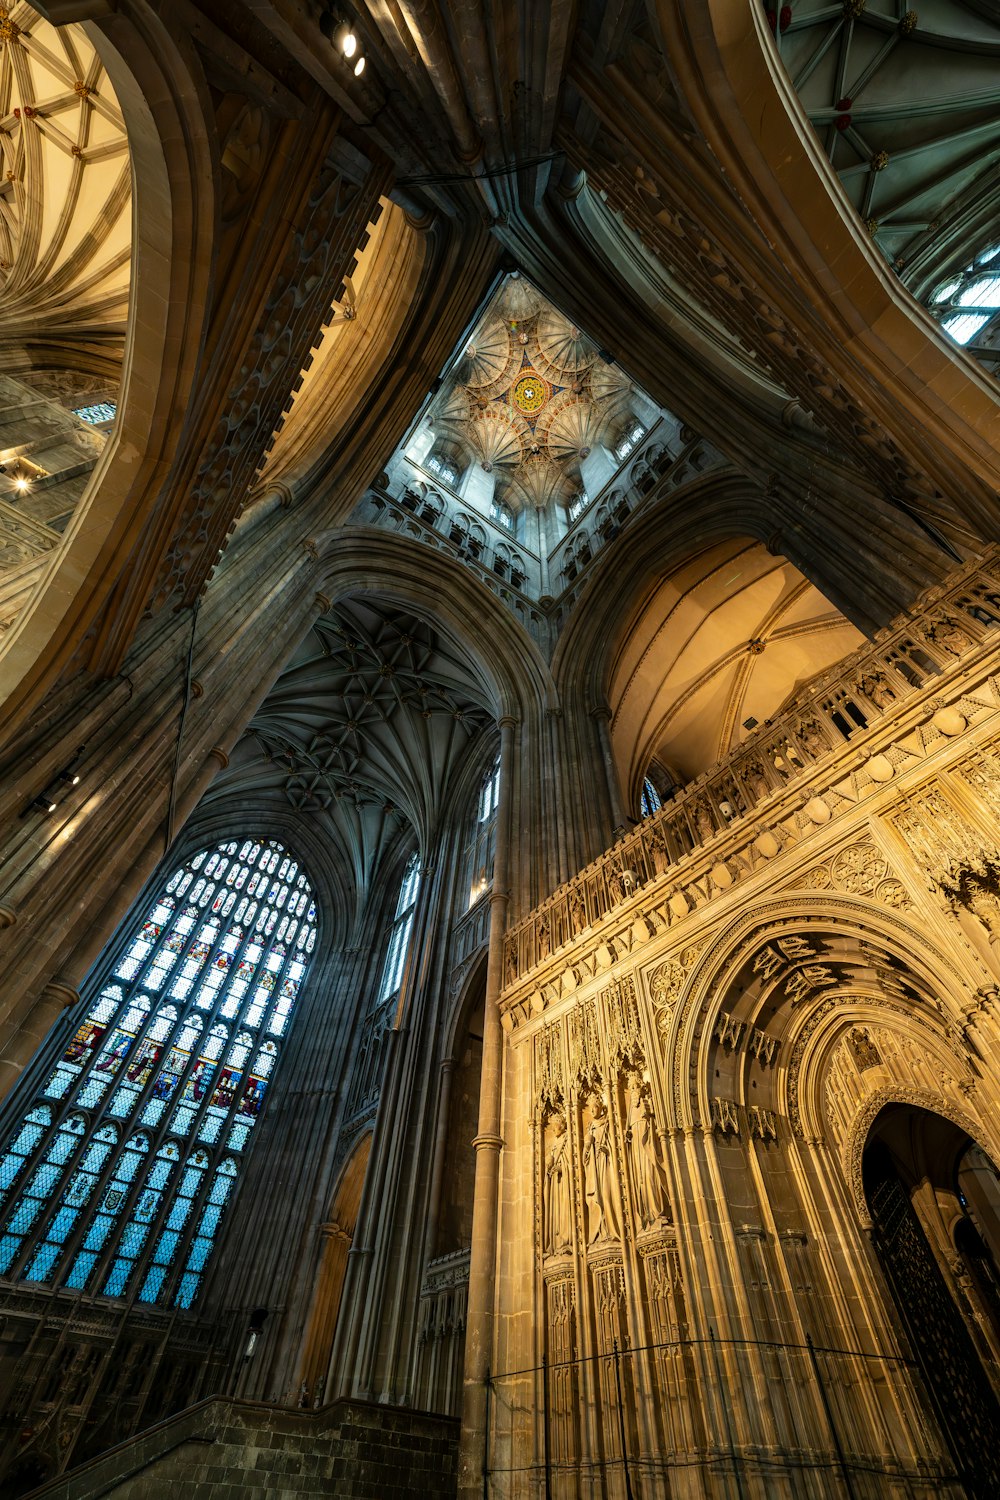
905,103
717,648
364,731
530,397
65,206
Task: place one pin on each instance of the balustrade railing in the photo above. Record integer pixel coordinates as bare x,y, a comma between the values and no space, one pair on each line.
844,704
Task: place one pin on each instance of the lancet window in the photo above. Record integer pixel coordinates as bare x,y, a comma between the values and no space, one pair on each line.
481,846
119,1171
650,801
399,937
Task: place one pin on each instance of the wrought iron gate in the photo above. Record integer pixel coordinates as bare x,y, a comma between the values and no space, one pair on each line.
954,1377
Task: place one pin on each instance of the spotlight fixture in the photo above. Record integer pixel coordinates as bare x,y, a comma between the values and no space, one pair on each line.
22,485
344,40
342,36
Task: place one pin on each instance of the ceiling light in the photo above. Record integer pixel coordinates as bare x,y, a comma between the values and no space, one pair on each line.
22,484
359,67
344,40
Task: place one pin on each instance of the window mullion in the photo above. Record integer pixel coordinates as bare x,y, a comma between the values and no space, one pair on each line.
89,1210
34,1235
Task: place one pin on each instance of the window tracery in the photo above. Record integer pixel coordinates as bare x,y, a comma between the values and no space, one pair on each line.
170,1064
967,304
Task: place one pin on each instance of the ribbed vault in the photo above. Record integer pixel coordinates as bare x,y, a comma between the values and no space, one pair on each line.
65,204
363,731
716,648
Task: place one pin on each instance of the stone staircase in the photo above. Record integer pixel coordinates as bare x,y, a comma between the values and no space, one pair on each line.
223,1449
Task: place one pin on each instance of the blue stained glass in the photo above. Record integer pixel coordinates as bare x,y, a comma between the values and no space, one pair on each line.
42,1263
132,1056
199,1253
152,1284
187,1290
80,1270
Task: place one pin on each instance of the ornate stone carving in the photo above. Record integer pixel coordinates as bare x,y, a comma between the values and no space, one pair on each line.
666,983
558,1215
725,1118
603,1217
649,1194
763,1123
863,1049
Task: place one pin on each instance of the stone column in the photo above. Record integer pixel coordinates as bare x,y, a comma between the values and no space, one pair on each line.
488,1143
602,717
57,996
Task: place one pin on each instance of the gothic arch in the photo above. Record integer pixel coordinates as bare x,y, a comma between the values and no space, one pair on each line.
728,507
717,970
936,1104
358,561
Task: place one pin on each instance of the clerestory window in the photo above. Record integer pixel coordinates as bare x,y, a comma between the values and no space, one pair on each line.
399,937
968,303
117,1176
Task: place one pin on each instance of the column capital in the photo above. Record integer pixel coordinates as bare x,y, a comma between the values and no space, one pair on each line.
63,992
508,721
487,1142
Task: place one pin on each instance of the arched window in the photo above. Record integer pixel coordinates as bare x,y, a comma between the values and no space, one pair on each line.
444,468
115,1179
399,937
481,846
501,513
578,505
631,436
968,304
650,802
489,794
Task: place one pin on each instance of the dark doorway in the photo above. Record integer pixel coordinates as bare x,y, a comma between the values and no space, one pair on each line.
941,1269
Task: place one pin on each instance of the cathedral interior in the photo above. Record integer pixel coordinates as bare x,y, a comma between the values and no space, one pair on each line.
499,712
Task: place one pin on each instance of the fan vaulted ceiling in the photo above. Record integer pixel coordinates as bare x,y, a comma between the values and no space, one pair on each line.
364,729
530,397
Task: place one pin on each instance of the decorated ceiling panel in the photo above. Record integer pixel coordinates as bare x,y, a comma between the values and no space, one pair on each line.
65,201
530,397
363,730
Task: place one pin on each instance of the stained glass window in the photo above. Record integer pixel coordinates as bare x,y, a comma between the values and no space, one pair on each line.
399,938
650,799
116,1177
102,411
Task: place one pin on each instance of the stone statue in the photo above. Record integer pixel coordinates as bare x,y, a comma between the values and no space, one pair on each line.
558,1216
703,821
599,1171
866,1054
646,1171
